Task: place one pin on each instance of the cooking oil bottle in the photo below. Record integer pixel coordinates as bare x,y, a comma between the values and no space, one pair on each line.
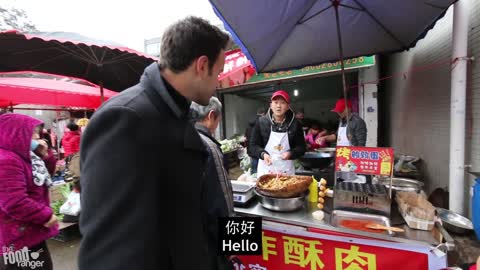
313,191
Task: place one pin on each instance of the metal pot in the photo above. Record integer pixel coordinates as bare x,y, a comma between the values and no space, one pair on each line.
281,204
402,184
454,222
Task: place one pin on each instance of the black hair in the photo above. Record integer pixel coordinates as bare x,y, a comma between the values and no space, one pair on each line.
188,39
72,127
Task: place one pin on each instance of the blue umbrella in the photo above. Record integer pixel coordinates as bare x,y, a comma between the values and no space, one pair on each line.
286,34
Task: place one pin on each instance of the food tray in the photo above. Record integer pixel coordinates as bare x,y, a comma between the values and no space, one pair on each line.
338,216
414,221
285,192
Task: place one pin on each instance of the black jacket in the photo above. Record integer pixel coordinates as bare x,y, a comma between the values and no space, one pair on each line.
142,164
261,134
251,124
356,130
214,203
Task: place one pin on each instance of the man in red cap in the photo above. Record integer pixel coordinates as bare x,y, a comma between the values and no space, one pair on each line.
353,134
277,138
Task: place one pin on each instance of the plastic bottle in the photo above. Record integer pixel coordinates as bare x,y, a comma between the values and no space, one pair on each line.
313,191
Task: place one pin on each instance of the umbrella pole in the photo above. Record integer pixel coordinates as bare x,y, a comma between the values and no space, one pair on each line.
101,92
336,4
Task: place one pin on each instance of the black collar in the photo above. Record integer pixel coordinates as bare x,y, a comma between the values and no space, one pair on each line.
204,130
182,102
152,77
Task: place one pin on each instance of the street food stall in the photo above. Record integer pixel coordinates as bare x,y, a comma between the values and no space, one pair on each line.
310,224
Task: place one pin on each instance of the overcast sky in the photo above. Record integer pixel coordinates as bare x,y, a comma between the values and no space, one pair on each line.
128,24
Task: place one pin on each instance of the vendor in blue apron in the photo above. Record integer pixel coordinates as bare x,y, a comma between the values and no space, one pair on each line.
277,138
350,133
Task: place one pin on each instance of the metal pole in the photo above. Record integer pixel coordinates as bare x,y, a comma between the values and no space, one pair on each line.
101,92
336,4
461,12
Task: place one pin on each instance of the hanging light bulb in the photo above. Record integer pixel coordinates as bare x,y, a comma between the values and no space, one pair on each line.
295,92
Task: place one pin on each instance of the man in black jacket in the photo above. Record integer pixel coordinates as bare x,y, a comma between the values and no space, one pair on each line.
218,194
277,138
248,134
142,161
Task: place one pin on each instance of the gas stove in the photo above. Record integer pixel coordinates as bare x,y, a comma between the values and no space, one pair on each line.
365,198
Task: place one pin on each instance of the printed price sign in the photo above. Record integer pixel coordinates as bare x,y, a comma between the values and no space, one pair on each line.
364,160
240,235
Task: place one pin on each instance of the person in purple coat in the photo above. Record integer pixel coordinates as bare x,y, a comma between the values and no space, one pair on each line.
26,219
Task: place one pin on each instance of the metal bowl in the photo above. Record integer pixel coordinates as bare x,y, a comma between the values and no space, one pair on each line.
454,222
281,204
326,149
402,184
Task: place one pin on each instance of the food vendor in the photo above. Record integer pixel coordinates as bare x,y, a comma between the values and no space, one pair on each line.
353,134
277,138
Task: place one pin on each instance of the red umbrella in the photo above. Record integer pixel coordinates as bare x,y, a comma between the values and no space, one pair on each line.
104,62
28,87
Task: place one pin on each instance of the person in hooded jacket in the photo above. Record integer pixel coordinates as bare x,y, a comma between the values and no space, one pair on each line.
71,140
26,219
277,138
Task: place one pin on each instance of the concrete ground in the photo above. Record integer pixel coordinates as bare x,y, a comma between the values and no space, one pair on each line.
64,255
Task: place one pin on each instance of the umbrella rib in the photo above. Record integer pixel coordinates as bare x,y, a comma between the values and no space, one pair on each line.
123,56
126,56
93,54
74,52
381,25
314,15
53,59
434,6
355,8
44,49
103,55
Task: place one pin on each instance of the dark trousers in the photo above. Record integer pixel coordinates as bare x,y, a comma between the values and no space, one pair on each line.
254,165
43,262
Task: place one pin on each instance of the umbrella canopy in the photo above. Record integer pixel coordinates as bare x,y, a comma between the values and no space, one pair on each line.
48,89
106,63
287,34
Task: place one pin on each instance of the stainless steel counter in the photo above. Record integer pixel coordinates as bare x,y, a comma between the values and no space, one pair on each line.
304,218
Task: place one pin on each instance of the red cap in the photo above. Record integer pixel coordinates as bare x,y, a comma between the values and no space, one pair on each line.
340,106
283,94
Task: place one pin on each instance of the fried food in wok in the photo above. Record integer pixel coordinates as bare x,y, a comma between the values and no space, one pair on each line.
283,186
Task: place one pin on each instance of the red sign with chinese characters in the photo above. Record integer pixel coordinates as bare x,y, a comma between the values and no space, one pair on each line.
283,251
364,160
235,60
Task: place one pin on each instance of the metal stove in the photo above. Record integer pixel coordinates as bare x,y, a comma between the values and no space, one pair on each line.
366,198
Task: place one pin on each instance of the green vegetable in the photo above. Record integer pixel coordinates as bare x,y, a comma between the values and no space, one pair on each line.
55,205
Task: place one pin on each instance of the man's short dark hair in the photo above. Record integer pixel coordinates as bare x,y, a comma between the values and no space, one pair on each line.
300,110
188,39
72,127
261,110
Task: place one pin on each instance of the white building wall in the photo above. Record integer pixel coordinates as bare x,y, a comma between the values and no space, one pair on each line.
418,102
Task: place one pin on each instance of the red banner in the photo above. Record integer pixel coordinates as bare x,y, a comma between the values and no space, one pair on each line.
364,160
283,251
235,61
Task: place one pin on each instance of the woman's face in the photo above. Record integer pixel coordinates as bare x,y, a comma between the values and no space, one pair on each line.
315,131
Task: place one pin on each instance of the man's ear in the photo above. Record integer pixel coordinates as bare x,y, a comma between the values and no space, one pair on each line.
212,115
201,65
